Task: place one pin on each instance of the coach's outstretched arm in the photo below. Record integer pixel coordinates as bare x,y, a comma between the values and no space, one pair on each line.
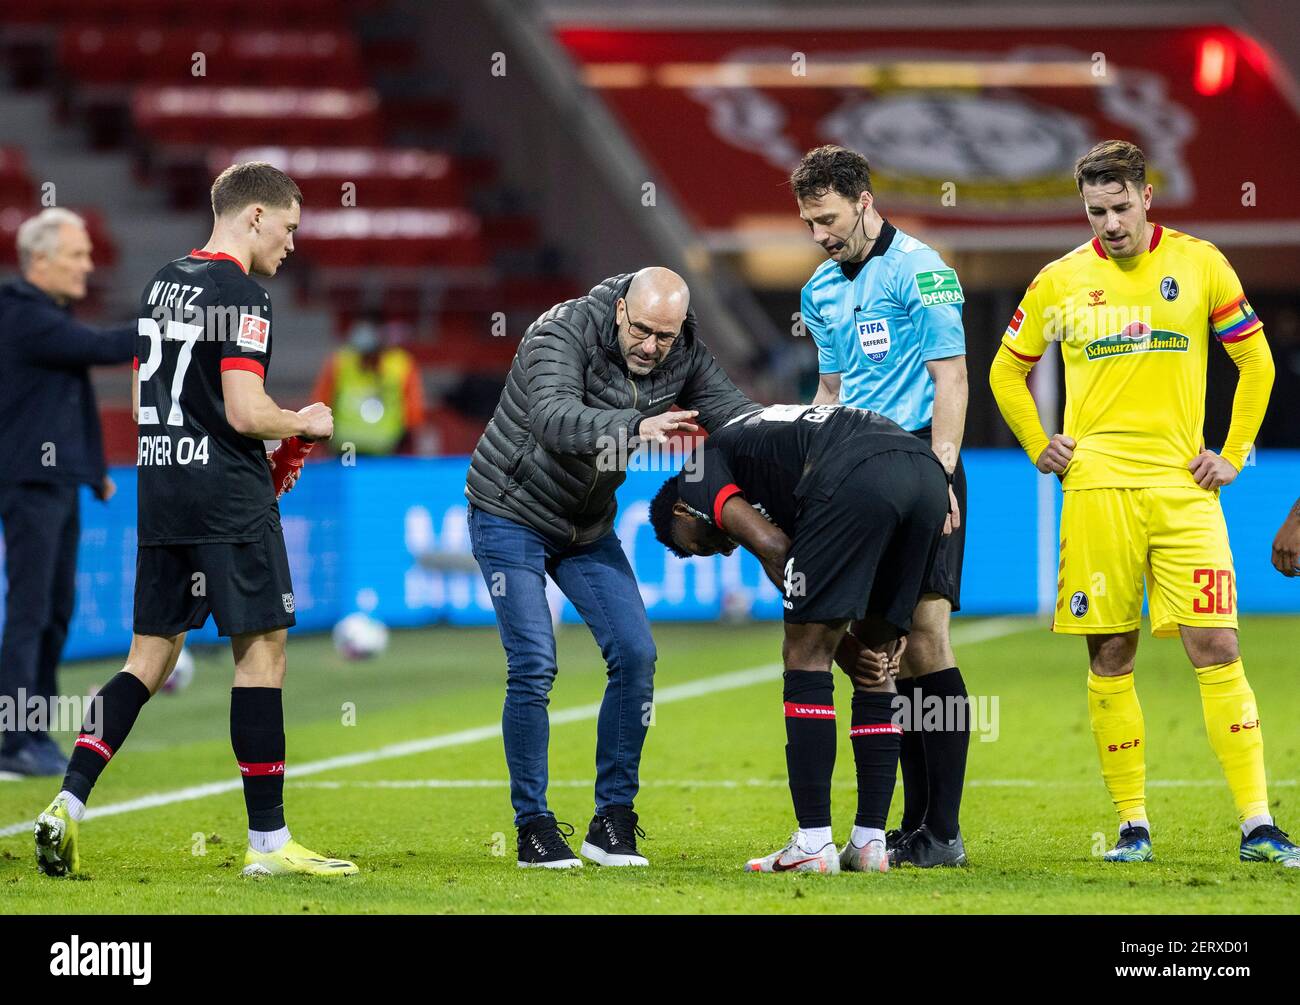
1255,372
74,344
1008,378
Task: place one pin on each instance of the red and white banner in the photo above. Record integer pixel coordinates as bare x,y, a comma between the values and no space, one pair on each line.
971,131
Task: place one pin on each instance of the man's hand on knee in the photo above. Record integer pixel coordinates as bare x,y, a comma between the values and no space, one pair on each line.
870,667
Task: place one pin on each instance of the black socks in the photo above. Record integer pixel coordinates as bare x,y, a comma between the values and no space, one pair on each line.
945,749
115,709
257,736
911,759
810,743
875,739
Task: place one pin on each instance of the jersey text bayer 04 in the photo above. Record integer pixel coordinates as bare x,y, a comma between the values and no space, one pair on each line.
199,481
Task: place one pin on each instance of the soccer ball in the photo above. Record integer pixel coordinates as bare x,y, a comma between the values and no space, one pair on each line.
359,637
182,675
737,606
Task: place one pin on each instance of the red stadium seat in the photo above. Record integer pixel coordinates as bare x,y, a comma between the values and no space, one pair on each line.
395,238
126,56
384,177
153,13
16,186
252,116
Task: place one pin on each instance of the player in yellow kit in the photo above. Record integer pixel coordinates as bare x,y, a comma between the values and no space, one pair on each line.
1135,310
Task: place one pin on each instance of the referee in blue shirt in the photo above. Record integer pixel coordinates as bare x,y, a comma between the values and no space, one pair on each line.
885,312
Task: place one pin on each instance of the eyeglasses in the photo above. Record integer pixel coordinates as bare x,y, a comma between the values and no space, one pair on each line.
663,339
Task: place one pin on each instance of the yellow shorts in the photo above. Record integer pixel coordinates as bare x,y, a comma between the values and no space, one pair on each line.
1111,538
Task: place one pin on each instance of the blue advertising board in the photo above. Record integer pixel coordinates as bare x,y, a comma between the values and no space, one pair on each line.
388,536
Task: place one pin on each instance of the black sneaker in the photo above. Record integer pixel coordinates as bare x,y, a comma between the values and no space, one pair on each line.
895,837
611,839
542,845
1134,845
925,851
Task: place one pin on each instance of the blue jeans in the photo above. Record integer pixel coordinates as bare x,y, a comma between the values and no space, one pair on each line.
515,561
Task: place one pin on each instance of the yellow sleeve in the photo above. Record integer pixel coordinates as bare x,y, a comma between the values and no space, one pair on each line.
1254,382
1023,345
1232,319
1235,324
1030,327
1009,380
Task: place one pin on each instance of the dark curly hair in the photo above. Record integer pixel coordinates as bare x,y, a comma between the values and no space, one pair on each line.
661,515
831,169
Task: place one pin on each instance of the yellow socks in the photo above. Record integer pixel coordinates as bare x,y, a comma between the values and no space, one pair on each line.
1120,734
1232,723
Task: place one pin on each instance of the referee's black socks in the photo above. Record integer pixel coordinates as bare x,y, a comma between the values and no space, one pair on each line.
875,738
810,744
945,748
113,713
911,762
257,736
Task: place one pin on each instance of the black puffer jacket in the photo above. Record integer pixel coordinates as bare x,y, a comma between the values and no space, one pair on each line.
568,396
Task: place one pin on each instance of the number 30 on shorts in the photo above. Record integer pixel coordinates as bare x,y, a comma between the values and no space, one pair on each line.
1217,595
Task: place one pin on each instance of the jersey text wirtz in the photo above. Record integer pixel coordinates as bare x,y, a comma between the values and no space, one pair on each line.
175,302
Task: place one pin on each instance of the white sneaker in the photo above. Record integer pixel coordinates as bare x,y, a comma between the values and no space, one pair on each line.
871,857
792,858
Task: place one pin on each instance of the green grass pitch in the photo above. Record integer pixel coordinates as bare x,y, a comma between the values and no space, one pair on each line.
430,824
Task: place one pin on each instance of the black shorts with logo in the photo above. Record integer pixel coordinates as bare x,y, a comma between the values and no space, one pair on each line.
246,587
870,545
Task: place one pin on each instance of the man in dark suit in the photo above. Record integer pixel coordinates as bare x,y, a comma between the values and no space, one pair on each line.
50,444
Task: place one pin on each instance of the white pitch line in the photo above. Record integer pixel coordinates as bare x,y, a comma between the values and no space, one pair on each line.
747,783
981,631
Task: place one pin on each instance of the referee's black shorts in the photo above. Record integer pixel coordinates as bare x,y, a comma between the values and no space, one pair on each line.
945,575
246,587
868,546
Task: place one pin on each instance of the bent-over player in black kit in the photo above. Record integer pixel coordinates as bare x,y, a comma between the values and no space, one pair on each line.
209,535
845,510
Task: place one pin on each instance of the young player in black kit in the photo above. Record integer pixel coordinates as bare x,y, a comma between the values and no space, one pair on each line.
845,510
209,533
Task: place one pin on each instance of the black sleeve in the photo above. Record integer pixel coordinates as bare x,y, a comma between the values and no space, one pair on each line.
707,481
709,390
555,364
246,344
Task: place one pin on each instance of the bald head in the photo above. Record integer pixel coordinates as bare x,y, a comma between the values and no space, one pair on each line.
651,316
655,288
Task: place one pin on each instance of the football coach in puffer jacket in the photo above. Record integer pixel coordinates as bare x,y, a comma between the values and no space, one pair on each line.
592,376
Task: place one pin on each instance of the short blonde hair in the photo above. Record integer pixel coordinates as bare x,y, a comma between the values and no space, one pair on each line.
242,185
39,235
